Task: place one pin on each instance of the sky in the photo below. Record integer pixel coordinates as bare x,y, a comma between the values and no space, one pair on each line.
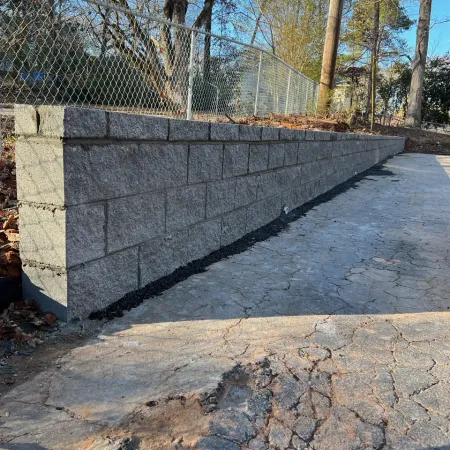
439,43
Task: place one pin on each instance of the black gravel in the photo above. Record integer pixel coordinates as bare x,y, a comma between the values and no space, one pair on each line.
273,228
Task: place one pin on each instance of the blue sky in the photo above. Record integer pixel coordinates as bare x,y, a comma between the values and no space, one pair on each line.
439,34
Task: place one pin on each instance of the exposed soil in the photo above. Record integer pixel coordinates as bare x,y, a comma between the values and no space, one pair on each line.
417,140
296,122
32,341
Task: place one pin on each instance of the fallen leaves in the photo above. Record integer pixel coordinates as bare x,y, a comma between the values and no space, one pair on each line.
294,121
10,264
22,323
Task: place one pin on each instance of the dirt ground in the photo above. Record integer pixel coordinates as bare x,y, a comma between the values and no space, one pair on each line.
418,141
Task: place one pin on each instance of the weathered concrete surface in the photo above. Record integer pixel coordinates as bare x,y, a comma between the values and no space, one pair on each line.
340,326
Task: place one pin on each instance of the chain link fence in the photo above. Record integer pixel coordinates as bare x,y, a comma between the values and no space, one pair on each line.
90,53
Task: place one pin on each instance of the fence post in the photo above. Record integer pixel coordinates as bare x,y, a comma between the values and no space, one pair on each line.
288,92
255,112
306,99
191,77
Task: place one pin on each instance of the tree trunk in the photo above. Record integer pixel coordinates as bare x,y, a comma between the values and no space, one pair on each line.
369,90
207,50
255,30
414,114
330,55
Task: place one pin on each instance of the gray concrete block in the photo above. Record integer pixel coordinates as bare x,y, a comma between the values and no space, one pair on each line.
291,199
43,235
263,212
315,150
235,160
310,171
306,152
322,136
259,157
334,136
97,284
99,172
276,155
162,255
290,153
323,150
340,147
287,134
224,132
204,238
188,130
220,197
39,169
309,135
246,191
163,165
65,122
62,237
233,226
134,126
249,133
135,219
48,287
25,120
185,206
205,162
267,185
310,190
352,146
288,178
85,233
270,134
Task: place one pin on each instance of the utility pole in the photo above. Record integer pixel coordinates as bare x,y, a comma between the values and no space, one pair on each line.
330,55
414,114
375,37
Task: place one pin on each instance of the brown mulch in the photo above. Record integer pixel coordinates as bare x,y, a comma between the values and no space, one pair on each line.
294,122
417,140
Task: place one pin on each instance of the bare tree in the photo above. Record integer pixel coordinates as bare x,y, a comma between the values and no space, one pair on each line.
161,54
414,114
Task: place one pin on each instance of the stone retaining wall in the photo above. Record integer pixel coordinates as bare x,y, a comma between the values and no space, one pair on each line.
110,202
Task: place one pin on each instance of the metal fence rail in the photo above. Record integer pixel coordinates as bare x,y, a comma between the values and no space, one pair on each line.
90,53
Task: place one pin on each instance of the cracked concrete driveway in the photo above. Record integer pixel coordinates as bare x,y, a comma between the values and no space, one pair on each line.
332,335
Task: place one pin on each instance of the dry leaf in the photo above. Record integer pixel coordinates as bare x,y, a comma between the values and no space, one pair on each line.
49,318
13,235
9,222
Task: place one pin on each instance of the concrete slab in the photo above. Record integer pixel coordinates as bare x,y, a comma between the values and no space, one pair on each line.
332,335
